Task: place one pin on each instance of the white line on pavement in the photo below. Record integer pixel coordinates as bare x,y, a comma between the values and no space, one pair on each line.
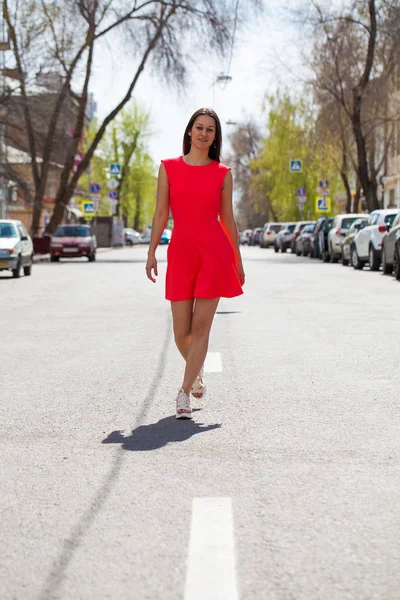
213,362
211,571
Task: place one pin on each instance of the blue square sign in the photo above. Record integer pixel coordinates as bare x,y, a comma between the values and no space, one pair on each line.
295,166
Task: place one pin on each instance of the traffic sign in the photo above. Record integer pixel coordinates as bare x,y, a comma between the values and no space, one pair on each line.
301,191
115,169
323,204
95,188
295,166
112,184
113,195
88,208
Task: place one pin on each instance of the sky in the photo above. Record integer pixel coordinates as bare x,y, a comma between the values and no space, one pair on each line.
265,57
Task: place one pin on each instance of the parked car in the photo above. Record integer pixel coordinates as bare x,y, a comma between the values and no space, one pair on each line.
367,244
347,241
245,237
283,237
323,239
132,236
256,237
16,248
296,232
315,237
269,233
340,226
388,245
303,242
165,236
73,241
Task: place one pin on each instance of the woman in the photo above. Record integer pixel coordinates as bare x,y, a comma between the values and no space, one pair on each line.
204,261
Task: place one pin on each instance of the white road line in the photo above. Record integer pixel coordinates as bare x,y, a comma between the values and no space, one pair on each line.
211,571
213,362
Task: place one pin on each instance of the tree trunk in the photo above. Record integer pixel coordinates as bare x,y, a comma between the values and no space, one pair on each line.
138,212
362,156
346,184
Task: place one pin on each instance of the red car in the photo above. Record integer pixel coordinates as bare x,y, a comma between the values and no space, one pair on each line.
73,241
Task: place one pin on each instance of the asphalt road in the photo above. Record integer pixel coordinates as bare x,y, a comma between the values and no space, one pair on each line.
291,462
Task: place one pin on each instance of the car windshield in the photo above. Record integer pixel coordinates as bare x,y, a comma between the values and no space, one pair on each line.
68,231
290,227
347,223
276,228
390,218
7,230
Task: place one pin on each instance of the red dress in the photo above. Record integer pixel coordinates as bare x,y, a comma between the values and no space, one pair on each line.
201,260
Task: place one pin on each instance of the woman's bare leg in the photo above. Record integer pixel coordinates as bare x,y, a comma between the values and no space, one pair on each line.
203,315
182,313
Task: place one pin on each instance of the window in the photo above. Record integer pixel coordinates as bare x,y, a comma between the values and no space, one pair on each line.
72,231
20,230
346,223
7,230
391,197
276,228
389,219
396,220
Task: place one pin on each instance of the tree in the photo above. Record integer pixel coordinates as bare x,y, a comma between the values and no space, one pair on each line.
355,52
159,31
244,141
125,143
291,134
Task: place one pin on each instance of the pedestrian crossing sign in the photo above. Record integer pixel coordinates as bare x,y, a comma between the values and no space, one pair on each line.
323,204
115,169
295,166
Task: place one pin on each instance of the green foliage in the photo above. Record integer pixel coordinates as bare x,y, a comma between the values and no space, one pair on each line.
291,136
125,143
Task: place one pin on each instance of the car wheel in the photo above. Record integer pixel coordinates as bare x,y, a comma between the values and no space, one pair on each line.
54,259
17,271
92,257
355,259
276,248
345,261
386,268
28,270
332,255
373,259
283,249
325,256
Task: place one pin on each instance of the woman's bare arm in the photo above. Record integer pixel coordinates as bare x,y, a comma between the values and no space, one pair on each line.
228,222
160,220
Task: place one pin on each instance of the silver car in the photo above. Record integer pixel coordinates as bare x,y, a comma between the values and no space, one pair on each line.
16,248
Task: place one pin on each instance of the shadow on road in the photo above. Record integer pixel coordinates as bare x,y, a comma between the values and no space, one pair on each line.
157,435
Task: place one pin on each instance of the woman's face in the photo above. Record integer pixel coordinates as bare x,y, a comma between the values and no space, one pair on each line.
203,132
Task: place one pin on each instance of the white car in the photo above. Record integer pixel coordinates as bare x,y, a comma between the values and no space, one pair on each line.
340,228
367,244
268,234
16,248
132,236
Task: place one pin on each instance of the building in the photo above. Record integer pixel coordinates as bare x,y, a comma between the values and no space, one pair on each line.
391,181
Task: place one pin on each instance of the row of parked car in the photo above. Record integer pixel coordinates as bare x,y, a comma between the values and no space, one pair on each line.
354,239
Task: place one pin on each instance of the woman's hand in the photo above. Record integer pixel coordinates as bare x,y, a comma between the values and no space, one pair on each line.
240,272
151,265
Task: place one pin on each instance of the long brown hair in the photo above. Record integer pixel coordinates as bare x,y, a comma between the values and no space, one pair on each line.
214,151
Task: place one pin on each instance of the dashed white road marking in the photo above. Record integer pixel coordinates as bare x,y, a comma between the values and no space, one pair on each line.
213,362
211,570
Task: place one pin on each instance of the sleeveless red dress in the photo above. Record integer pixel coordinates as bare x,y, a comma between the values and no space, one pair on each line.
201,260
